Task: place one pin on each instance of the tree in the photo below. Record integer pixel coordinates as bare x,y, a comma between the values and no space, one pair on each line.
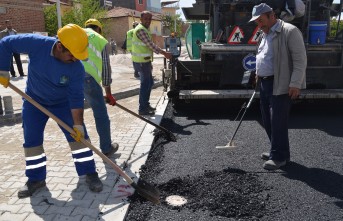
78,14
168,22
333,27
82,11
50,18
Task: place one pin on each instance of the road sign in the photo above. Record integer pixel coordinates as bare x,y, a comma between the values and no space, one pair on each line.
236,36
249,62
255,36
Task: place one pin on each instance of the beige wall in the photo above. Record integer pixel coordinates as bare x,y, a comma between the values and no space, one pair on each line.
116,28
155,27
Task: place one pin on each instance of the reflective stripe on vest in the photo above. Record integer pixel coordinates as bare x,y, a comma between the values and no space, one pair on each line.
141,53
93,65
129,35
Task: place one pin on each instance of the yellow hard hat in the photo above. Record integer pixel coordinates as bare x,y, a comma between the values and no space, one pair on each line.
75,39
93,21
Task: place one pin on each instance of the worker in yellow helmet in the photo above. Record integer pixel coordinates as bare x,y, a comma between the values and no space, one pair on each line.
98,73
55,80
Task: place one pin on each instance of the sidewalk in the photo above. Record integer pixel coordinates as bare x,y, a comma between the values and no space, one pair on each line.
124,84
67,197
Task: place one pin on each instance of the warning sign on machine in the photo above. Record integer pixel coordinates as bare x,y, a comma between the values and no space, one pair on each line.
236,36
255,36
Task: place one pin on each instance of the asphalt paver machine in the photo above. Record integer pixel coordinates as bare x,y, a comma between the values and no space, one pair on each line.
227,50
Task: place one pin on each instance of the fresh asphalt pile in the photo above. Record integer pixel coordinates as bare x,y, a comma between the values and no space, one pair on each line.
231,184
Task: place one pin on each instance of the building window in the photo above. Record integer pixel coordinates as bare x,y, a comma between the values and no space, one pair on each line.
2,10
140,2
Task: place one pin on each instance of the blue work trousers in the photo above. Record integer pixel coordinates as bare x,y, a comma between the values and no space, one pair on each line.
34,122
145,71
275,116
94,97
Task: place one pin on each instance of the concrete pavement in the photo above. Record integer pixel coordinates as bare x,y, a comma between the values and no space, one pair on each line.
67,196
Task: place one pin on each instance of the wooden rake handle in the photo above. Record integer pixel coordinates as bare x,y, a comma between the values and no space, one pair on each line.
70,130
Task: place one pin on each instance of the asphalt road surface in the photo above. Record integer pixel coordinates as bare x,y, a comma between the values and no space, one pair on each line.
230,184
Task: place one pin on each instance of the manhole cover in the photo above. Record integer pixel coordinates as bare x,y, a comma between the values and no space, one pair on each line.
175,200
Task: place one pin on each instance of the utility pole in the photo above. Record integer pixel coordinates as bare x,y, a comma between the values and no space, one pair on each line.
58,6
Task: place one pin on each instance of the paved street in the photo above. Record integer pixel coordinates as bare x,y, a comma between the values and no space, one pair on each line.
231,184
67,197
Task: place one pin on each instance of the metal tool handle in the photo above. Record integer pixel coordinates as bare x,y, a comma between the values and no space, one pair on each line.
142,118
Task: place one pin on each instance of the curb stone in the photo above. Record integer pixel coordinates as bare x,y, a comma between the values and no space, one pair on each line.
15,118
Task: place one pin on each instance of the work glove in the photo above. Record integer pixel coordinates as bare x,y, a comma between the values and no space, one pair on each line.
79,132
4,78
110,99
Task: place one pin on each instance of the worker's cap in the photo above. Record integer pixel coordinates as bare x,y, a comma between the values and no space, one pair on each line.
258,10
134,23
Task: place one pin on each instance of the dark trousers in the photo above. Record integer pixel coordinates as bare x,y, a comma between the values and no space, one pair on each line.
136,74
19,65
145,71
275,115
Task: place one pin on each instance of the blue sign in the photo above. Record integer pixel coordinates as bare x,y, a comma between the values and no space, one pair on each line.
249,62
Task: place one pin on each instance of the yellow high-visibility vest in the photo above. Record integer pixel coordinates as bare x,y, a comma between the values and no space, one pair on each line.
93,65
129,36
141,53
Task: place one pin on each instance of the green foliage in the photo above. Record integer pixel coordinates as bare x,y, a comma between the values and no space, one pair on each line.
50,17
168,21
333,25
79,13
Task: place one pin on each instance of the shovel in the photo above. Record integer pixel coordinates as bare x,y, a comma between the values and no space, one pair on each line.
169,134
145,189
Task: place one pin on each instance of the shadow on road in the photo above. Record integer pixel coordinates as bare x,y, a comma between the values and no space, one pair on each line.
325,181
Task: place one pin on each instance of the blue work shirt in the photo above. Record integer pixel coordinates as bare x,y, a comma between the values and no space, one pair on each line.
49,81
265,54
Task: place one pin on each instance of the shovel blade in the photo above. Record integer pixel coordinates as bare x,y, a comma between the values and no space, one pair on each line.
147,191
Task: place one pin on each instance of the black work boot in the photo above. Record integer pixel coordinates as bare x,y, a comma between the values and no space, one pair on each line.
30,188
114,148
94,182
150,108
146,112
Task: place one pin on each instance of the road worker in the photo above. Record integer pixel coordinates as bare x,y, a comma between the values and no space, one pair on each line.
128,41
98,71
55,81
